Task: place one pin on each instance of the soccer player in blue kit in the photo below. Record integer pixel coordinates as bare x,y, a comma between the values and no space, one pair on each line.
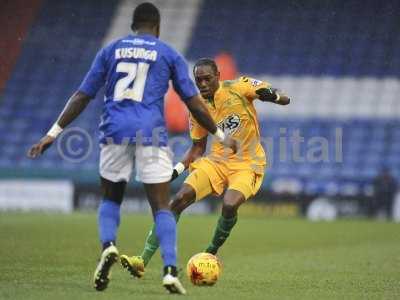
135,71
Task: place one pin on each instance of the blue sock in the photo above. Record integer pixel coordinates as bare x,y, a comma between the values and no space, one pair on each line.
108,220
166,233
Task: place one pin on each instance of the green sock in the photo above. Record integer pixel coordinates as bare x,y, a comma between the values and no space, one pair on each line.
221,233
151,245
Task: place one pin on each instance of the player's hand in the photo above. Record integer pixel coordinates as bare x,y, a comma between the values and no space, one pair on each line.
174,175
231,143
38,149
267,94
178,169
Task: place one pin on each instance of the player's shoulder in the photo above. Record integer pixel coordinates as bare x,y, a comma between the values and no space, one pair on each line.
239,82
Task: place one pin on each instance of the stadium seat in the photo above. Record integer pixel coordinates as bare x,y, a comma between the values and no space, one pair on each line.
338,81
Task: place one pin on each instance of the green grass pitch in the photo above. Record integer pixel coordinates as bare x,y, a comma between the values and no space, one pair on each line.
53,256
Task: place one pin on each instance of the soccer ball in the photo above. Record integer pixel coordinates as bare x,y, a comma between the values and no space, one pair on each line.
203,269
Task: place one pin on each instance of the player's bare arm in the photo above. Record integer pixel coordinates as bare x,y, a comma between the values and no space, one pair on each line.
273,95
197,150
201,114
74,107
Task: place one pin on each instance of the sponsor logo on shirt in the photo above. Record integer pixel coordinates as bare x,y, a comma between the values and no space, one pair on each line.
139,42
255,82
230,124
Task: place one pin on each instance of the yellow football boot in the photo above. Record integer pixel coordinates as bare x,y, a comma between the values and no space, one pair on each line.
134,265
101,276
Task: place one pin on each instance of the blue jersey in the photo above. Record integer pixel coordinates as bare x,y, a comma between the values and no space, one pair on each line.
135,71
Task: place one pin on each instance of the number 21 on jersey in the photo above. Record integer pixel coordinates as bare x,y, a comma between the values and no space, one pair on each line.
136,73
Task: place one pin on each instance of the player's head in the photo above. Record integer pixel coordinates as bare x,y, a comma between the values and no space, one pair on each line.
146,16
206,74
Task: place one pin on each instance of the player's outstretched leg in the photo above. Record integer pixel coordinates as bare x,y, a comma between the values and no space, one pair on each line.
135,265
232,200
108,222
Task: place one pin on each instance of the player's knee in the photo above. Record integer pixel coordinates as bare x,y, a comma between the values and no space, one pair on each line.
179,204
229,210
177,207
231,204
182,199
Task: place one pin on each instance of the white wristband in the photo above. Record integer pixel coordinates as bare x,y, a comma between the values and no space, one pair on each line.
277,97
54,131
179,167
220,135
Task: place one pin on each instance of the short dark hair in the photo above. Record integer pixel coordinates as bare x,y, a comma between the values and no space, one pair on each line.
206,62
145,14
